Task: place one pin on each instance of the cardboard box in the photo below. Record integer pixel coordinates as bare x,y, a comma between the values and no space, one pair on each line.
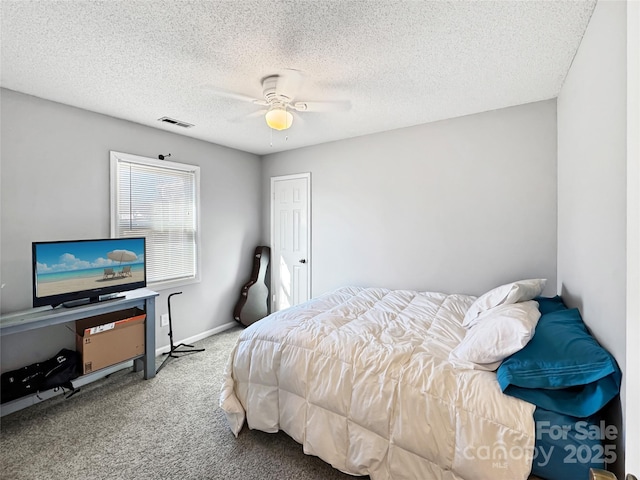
104,340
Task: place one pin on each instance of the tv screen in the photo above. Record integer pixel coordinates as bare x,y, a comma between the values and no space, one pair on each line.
81,271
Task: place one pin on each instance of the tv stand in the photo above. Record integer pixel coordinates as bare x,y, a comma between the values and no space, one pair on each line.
33,319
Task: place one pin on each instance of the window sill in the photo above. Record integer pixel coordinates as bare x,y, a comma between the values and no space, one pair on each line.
173,283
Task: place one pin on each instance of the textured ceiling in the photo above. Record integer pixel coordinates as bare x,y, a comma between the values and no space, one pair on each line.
399,63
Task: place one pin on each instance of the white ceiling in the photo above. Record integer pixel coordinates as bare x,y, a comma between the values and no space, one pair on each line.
398,62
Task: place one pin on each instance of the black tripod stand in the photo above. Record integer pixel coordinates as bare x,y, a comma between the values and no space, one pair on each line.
173,353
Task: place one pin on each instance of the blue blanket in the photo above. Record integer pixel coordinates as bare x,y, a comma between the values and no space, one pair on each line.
563,368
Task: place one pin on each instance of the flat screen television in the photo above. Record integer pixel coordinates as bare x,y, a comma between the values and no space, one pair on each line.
85,271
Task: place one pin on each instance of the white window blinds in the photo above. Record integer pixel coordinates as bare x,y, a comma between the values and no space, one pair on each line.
158,200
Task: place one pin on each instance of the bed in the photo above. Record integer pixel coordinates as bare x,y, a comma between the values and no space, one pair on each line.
368,379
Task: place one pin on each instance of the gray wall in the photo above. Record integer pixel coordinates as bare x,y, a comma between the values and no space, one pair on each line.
592,186
55,186
460,205
592,179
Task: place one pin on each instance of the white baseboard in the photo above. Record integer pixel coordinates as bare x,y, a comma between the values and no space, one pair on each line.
195,338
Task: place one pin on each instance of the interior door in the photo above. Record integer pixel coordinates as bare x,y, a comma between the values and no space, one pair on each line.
290,240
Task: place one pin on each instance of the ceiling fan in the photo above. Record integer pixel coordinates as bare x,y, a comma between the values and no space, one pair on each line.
280,99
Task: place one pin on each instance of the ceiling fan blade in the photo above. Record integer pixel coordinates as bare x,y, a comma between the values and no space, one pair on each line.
221,92
335,106
257,113
289,83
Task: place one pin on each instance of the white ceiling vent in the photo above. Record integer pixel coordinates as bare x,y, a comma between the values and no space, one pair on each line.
173,121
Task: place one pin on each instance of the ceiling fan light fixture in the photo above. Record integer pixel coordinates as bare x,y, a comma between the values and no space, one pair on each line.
279,118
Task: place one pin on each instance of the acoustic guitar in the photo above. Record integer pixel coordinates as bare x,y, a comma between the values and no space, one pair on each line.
253,303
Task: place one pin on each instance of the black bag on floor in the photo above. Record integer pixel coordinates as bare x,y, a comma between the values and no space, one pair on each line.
53,373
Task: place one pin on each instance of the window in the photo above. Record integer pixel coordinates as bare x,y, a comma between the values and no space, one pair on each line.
159,200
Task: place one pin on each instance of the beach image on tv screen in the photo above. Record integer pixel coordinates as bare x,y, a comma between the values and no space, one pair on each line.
76,266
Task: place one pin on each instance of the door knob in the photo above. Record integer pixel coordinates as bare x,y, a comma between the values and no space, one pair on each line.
597,474
302,260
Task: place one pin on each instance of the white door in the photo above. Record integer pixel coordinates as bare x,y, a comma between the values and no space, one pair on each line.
290,238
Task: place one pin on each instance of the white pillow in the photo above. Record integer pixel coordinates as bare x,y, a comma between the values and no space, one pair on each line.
515,292
499,332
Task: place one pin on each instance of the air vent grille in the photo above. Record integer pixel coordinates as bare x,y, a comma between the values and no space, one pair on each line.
177,123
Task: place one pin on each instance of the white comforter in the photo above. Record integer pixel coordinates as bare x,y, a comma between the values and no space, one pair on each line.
360,378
